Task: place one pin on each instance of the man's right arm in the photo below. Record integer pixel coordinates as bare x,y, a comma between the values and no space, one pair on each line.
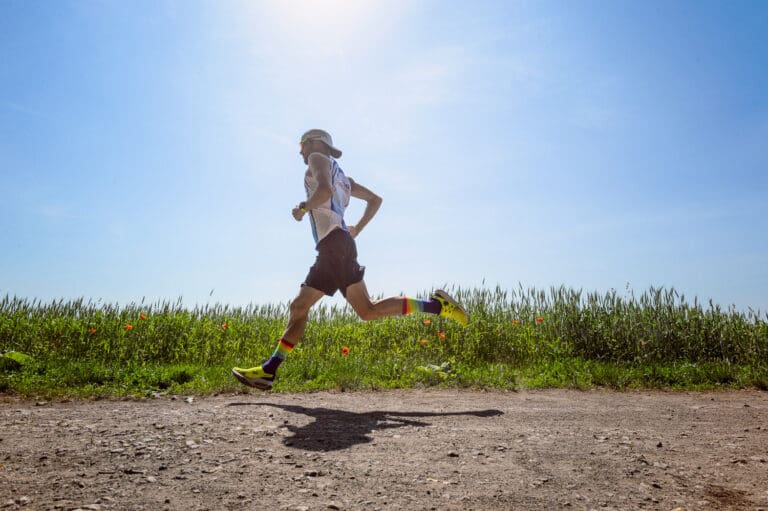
320,167
373,203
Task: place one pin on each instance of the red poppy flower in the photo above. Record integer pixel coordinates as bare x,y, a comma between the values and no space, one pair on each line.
515,321
224,326
92,331
539,319
441,335
142,316
423,342
427,321
128,326
345,351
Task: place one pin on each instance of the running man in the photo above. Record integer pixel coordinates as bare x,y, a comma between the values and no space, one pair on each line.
336,267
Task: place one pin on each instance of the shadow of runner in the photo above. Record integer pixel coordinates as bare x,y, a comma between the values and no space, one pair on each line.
333,430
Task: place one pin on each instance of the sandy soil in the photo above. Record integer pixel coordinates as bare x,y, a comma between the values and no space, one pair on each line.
389,450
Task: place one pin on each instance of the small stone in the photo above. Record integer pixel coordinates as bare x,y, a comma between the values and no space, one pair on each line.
453,454
151,479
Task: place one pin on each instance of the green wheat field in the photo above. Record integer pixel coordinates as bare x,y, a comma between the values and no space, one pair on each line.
523,338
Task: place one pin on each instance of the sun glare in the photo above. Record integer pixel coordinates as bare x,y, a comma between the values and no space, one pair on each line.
327,27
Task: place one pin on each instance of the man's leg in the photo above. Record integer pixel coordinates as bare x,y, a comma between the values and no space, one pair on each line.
263,376
360,300
297,322
299,311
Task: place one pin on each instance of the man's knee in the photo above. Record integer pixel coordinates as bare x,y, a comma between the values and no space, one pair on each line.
363,307
365,313
299,307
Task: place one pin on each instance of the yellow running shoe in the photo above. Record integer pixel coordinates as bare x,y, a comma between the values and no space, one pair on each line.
451,308
254,377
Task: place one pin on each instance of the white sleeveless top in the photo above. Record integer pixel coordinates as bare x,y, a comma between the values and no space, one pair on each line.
329,215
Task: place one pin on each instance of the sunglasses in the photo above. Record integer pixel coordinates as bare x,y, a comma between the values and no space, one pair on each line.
306,141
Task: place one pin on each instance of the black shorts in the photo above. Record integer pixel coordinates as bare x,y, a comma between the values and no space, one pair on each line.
336,265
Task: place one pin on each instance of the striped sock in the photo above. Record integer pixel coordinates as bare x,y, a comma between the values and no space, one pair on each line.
283,348
411,305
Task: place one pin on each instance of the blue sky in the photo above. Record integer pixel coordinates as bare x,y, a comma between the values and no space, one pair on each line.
149,149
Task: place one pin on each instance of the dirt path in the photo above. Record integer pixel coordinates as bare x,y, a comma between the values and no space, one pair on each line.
390,450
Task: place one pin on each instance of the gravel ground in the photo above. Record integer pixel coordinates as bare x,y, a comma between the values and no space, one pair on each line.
405,449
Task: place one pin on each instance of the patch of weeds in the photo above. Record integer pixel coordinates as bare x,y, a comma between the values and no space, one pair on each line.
177,375
567,373
14,361
432,374
610,375
497,376
760,382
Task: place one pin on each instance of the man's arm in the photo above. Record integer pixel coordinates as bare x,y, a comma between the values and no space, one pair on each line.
320,167
373,203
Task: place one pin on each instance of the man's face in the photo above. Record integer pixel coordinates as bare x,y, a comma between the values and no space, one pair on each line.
307,148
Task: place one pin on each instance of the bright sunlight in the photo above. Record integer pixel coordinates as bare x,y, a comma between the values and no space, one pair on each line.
327,28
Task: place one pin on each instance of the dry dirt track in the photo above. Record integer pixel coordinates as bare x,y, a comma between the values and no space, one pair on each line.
390,450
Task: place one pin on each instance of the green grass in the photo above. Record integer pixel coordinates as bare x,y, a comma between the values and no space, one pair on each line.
517,339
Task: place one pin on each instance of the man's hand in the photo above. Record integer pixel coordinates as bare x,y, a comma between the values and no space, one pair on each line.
353,230
298,213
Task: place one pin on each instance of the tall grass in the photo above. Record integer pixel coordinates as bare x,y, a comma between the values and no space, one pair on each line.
510,329
658,326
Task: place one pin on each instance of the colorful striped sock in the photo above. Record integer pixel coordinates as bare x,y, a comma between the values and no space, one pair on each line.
283,348
411,305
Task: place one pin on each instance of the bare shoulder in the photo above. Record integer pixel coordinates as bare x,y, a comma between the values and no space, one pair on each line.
319,163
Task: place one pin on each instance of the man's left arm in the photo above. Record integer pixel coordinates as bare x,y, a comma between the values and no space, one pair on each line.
373,203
